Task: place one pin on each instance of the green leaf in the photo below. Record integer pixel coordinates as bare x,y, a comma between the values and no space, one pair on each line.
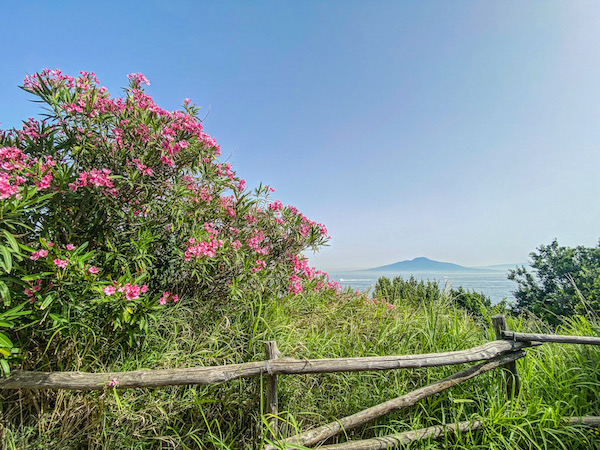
5,292
7,258
5,341
36,276
81,248
5,367
6,324
11,240
27,248
48,300
15,312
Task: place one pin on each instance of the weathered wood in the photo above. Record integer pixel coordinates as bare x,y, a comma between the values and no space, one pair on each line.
588,421
321,433
399,440
529,337
138,378
513,382
219,374
273,353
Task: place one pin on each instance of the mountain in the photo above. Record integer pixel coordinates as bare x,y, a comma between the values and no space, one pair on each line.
423,264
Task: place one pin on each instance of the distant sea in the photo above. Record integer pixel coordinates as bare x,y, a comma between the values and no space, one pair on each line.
493,284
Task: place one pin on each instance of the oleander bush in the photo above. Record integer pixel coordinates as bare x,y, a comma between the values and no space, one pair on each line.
113,208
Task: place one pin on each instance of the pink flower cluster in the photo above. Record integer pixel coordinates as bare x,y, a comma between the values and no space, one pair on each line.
256,241
225,170
295,286
38,254
165,298
16,168
276,206
95,177
227,205
302,271
131,291
34,288
143,168
62,263
300,266
204,248
259,265
138,79
12,164
382,302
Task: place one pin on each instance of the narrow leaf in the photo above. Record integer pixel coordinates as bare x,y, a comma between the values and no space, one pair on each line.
5,341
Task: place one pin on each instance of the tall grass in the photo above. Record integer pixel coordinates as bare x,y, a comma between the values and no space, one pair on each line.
558,380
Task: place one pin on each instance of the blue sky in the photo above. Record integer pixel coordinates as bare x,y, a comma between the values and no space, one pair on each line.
461,131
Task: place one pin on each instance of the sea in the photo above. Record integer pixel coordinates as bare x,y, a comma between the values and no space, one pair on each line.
494,284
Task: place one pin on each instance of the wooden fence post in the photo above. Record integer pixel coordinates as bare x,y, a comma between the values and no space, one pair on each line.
272,402
513,382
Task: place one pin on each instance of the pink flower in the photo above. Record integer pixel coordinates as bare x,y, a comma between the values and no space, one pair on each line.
164,298
39,254
93,269
109,290
175,298
167,161
37,286
144,289
62,263
132,291
138,79
70,247
44,183
112,383
260,265
276,206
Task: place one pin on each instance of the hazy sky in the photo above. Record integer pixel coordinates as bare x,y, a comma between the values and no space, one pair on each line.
464,131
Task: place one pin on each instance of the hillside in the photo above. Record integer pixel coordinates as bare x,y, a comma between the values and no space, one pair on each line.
423,264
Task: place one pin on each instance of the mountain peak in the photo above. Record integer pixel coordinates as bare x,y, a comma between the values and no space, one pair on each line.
423,264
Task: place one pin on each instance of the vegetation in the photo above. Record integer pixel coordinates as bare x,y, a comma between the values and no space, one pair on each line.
565,282
558,380
416,292
113,207
125,244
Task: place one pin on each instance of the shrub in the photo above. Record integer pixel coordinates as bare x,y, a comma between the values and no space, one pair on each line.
416,292
113,207
564,281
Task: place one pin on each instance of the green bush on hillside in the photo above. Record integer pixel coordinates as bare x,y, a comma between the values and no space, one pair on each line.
415,292
565,282
112,207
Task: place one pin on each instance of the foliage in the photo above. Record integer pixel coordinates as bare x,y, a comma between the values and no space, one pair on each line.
398,290
557,380
565,281
112,207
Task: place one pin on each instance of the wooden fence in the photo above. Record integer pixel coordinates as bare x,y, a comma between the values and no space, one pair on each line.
501,353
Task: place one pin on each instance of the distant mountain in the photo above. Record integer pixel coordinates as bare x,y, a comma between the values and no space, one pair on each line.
423,264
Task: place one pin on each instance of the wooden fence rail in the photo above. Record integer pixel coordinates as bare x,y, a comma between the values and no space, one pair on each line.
282,366
555,338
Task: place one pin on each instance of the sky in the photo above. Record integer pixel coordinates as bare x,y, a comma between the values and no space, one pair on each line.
462,131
